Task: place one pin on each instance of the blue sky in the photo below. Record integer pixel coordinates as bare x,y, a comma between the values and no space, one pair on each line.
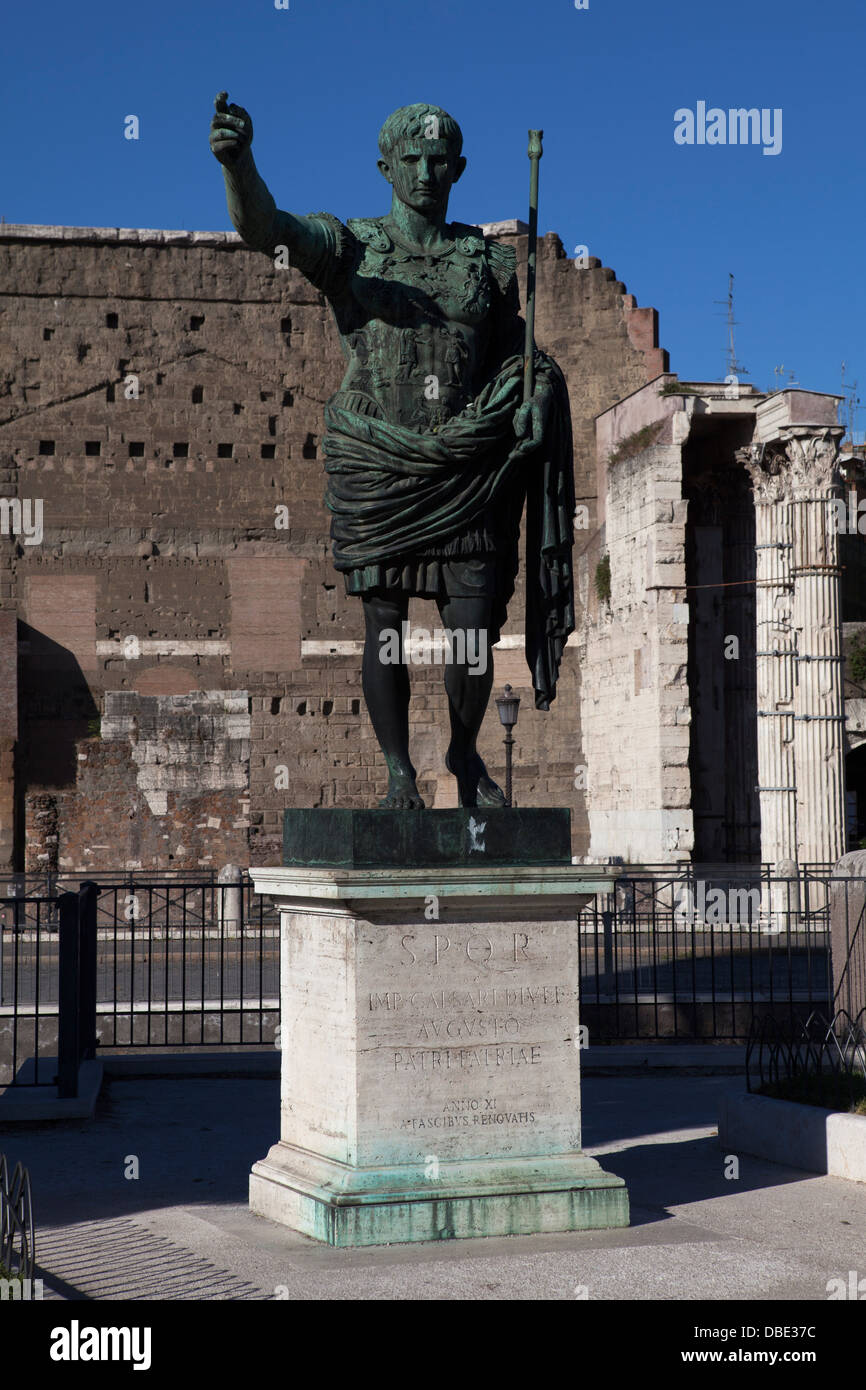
604,83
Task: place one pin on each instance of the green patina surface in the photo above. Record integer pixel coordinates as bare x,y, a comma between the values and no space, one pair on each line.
494,1197
325,837
583,1208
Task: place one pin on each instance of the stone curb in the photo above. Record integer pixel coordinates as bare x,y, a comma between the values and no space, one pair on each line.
800,1136
27,1104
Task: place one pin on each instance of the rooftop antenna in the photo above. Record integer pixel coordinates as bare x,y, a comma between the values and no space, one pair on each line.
852,400
779,372
733,367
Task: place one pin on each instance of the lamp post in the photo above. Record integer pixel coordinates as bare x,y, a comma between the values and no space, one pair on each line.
507,705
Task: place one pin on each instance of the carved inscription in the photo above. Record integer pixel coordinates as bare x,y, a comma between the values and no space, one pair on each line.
483,1013
469,1032
465,1058
478,949
463,1114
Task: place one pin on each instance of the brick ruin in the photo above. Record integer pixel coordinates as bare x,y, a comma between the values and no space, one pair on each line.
178,660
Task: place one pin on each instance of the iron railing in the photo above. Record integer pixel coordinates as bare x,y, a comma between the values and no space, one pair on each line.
819,1060
178,964
681,955
17,1244
692,956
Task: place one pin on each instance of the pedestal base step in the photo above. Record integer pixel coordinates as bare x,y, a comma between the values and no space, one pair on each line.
342,1206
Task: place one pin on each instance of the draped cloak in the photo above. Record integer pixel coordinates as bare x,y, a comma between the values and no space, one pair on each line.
393,492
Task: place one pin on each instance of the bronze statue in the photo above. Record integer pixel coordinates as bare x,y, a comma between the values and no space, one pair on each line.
430,454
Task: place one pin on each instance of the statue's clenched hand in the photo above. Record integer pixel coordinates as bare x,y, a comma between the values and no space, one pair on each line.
231,130
530,421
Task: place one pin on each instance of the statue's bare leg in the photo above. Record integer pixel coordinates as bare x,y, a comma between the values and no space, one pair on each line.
386,692
468,682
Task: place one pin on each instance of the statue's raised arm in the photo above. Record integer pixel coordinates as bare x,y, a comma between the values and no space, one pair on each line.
251,206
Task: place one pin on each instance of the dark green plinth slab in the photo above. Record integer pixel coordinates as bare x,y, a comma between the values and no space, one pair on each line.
322,837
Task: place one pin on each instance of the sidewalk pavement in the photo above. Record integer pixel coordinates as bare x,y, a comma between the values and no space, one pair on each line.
182,1229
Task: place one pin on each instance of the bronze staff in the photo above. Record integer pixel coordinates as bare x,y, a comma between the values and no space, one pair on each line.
535,152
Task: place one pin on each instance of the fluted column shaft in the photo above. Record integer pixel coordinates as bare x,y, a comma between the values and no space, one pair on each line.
819,707
774,658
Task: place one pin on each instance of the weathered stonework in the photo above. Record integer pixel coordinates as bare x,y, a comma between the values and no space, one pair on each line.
633,650
430,1082
718,652
165,786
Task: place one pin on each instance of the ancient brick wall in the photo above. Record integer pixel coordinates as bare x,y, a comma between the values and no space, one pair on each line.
161,396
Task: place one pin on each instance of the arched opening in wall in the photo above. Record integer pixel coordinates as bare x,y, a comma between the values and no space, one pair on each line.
720,579
855,797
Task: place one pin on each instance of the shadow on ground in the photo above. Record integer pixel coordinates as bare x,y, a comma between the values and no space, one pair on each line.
193,1141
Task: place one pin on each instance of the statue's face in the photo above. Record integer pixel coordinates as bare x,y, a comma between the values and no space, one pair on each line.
422,172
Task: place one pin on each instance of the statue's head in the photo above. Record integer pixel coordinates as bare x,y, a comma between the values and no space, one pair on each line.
420,147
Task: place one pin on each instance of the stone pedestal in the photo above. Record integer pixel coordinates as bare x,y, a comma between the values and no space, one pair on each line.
431,1054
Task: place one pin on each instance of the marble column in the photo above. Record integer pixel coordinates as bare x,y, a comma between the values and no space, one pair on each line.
775,652
819,707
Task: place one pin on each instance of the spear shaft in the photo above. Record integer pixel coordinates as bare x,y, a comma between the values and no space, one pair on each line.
535,153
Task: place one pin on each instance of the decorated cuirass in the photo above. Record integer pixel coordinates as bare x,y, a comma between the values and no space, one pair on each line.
417,324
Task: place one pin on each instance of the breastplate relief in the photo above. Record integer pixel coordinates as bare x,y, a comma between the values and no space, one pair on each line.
424,330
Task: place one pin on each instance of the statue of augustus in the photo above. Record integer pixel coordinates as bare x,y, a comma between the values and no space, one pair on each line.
430,451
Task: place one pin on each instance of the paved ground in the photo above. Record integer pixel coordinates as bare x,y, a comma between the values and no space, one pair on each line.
182,1229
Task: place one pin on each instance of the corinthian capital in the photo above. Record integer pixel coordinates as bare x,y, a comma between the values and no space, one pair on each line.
763,466
812,452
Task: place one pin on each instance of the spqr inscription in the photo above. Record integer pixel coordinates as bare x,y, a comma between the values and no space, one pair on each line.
478,949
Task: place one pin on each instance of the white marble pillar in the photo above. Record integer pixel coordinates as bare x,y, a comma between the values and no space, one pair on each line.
775,668
819,707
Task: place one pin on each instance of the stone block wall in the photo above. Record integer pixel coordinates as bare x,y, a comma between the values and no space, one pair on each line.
633,652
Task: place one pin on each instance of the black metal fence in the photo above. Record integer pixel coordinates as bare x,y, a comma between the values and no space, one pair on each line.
688,956
76,1017
819,1060
668,955
179,963
17,1244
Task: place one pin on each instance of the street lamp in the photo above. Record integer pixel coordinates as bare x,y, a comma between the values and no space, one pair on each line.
507,705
